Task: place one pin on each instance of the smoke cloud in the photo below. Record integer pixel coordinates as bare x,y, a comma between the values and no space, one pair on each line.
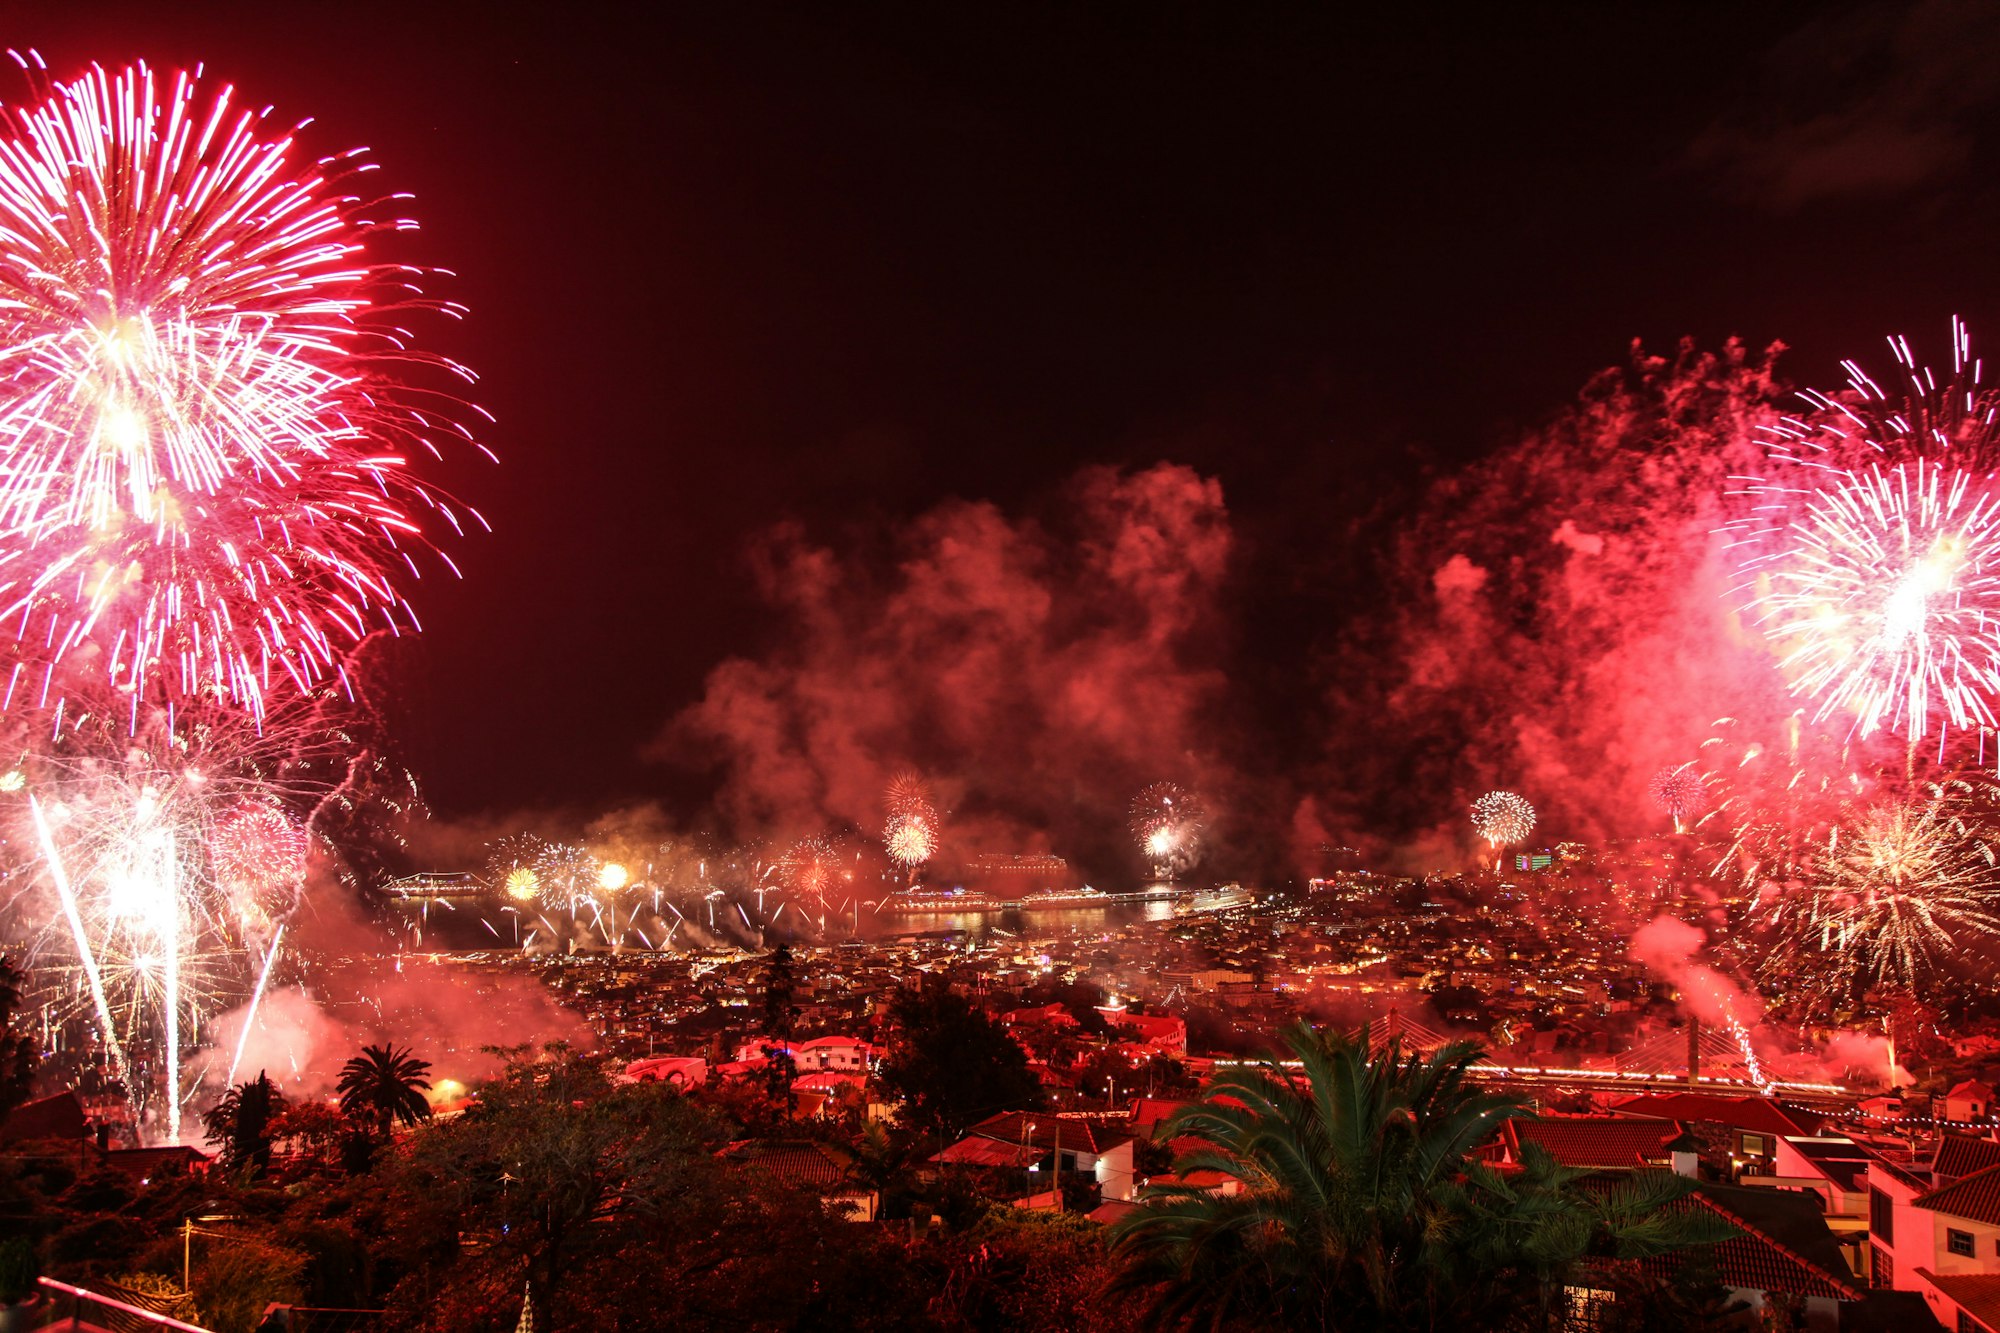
1037,669
1567,628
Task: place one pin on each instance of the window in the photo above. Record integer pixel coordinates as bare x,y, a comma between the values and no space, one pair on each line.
1958,1242
1884,1267
1967,1324
1881,1217
1753,1145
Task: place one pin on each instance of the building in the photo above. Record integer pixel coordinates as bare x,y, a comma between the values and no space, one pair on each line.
1970,1103
1027,1141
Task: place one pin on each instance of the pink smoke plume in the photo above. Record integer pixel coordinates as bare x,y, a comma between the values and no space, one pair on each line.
1668,946
1042,669
1565,628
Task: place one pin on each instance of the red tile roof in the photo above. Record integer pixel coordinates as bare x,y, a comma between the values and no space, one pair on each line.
1978,1294
987,1152
794,1163
1149,1113
1972,1087
1045,1131
1959,1156
1976,1197
57,1117
1595,1142
1771,1254
1759,1115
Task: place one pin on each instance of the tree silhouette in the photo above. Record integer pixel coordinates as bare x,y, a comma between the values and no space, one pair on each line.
241,1123
383,1086
17,1051
1358,1207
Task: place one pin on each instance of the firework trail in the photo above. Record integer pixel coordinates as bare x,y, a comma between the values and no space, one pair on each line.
1502,819
1680,792
207,413
162,892
1166,820
1780,803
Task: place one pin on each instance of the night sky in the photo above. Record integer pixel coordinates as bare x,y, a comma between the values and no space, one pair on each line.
736,265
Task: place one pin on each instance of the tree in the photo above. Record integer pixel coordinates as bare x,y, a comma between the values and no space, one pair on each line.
383,1086
556,1164
1358,1208
241,1123
780,1068
952,1065
17,1050
314,1132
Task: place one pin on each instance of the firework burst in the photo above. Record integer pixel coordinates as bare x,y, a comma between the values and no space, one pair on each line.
811,871
1906,886
206,413
1166,820
1502,818
910,835
1885,605
1868,548
1779,804
1680,792
172,863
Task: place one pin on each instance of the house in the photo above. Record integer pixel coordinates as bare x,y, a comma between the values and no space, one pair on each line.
1149,1113
1052,1014
806,1165
1026,1140
1942,1242
1754,1124
147,1165
1833,1170
1970,1103
1157,1032
1593,1143
57,1117
1957,1157
678,1070
1783,1249
830,1054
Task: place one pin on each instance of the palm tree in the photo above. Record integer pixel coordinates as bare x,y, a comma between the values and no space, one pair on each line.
241,1122
1357,1208
382,1086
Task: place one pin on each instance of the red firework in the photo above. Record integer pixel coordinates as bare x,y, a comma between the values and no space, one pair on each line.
1871,549
206,416
1681,792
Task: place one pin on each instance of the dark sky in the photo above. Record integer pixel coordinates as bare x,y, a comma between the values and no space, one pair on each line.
737,263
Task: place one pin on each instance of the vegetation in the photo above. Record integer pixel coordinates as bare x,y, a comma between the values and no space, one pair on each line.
610,1205
385,1087
17,1050
952,1065
241,1124
1357,1208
